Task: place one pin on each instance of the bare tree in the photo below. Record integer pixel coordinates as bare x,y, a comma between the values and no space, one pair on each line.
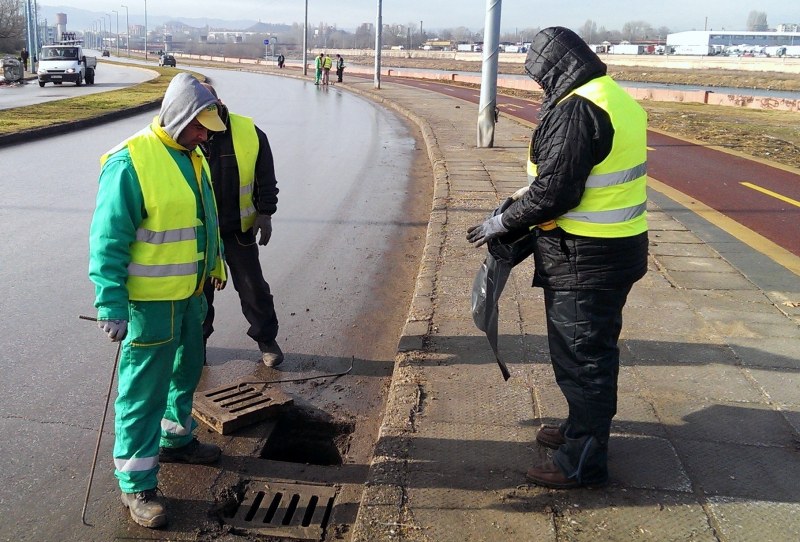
12,24
636,30
757,21
588,31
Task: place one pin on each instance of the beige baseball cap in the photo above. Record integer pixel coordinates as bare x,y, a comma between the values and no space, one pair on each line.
209,118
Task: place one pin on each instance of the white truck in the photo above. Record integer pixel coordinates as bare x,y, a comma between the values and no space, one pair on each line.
65,61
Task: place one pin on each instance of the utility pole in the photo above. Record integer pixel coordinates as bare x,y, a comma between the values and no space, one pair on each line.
378,34
109,25
145,30
305,42
116,39
491,45
127,32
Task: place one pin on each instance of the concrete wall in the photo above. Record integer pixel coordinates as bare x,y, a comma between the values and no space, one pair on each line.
643,94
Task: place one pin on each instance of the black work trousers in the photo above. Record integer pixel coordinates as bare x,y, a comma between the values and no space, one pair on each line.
583,327
244,269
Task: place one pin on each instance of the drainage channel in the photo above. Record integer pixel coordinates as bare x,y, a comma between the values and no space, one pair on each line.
295,509
283,509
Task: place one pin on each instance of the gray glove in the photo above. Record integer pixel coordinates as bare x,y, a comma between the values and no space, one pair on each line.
116,329
491,228
263,224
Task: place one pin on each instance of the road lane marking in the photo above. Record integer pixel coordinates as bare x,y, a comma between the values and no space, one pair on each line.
771,193
754,240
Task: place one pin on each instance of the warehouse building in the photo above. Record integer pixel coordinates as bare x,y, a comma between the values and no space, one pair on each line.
737,42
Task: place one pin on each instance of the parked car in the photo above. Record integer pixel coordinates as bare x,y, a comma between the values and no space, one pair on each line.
106,52
166,60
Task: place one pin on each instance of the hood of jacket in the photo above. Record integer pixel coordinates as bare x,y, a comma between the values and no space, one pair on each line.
184,99
560,61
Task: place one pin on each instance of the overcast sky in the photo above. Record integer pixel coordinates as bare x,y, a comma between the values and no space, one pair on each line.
677,15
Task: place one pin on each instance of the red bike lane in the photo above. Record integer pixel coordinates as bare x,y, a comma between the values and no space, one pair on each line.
706,174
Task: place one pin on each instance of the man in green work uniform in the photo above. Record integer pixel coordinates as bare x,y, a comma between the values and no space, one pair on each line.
154,241
318,69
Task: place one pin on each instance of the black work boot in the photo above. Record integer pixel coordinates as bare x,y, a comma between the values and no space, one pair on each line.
146,507
195,453
271,353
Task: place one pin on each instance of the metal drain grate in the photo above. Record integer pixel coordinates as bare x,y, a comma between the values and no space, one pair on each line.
284,509
227,408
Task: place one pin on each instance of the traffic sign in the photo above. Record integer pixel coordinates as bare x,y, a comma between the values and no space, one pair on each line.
266,42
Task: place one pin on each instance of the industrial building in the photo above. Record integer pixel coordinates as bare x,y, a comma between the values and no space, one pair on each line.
738,42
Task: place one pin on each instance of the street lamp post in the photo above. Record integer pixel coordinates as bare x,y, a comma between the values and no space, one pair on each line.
305,42
127,32
145,29
378,32
116,37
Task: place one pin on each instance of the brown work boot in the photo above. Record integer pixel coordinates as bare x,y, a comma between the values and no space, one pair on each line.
195,453
549,475
271,353
146,507
550,436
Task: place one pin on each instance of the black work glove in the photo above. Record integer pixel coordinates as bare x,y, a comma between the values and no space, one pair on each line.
263,224
489,229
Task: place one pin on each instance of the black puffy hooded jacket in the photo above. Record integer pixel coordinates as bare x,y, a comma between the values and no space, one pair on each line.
572,137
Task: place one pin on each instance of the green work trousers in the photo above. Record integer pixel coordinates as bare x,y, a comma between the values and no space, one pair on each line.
159,368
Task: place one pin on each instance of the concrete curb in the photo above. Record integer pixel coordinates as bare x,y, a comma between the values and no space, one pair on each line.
384,497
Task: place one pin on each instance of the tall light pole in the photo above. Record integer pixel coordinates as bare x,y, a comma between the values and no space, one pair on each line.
116,39
127,32
378,33
109,25
305,42
145,29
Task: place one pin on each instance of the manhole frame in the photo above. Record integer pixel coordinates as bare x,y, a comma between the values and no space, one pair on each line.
280,508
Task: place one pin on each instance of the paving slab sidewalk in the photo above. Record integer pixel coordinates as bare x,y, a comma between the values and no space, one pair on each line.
705,444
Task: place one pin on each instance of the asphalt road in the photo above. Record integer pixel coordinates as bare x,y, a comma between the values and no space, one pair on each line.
109,76
341,263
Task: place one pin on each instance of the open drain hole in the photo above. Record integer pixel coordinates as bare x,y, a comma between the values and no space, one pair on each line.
302,437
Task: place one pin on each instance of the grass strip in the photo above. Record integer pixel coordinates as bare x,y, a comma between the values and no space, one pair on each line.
54,113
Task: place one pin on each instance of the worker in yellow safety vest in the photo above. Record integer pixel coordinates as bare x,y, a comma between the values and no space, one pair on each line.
327,63
153,243
586,205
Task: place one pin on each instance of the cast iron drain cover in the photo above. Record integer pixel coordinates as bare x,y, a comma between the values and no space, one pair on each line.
227,408
284,509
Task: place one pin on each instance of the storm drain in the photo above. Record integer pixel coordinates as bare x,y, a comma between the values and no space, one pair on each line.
283,509
227,408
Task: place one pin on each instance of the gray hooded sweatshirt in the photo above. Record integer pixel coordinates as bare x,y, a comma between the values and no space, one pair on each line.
184,99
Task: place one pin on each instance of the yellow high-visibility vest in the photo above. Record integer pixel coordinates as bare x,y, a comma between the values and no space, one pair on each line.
245,146
614,203
164,256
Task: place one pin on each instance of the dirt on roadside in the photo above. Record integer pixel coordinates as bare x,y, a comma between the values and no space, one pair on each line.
768,135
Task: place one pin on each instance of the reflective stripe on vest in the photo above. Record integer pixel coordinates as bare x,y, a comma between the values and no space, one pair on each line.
245,146
165,255
614,203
